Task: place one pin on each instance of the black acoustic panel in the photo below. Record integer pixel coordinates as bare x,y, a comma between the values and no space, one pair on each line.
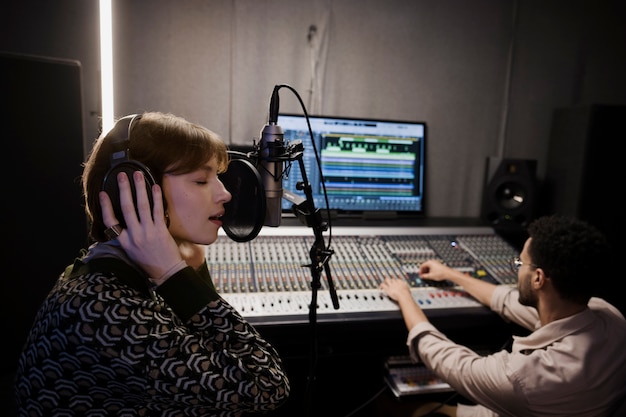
585,168
44,222
510,193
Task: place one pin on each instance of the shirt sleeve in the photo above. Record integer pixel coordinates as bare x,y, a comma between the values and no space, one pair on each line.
477,377
186,293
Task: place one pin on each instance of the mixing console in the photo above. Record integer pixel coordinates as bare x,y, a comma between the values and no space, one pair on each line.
267,278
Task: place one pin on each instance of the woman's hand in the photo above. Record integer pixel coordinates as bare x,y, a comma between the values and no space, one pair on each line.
146,239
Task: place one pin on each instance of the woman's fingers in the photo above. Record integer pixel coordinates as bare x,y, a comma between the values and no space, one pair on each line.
148,204
108,215
142,204
126,200
138,209
114,229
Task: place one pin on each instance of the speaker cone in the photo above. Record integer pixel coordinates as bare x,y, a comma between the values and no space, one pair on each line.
510,195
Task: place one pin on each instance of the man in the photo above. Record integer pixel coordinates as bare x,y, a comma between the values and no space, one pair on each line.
574,361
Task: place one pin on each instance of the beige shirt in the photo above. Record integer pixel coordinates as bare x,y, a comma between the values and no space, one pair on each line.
571,367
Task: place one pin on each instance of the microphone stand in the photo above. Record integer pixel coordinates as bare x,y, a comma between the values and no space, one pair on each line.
320,256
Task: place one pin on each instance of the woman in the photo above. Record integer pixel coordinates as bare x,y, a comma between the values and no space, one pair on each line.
135,326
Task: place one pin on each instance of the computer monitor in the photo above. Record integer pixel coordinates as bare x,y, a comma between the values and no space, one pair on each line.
369,165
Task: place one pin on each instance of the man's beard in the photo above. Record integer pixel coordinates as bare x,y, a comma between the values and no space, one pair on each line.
527,297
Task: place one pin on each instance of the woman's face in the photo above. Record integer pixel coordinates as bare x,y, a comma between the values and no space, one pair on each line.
195,203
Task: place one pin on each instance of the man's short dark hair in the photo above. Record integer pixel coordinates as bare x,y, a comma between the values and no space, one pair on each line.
574,255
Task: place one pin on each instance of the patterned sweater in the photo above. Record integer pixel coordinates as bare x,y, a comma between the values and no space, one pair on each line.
105,343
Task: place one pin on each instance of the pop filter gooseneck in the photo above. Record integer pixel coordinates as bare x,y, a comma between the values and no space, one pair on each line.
245,212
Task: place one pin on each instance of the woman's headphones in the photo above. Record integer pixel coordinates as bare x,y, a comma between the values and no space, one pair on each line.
245,213
121,161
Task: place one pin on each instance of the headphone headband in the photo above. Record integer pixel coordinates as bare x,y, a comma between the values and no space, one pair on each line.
120,133
121,162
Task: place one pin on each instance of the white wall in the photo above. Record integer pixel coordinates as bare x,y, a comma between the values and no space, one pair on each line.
485,75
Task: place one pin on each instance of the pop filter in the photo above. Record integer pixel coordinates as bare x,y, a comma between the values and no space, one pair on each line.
245,213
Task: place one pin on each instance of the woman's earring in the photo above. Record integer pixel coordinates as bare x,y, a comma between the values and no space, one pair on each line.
167,219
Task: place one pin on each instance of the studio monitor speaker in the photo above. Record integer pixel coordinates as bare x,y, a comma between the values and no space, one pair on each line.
510,192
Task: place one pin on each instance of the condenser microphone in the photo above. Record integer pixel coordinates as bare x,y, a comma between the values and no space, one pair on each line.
272,161
254,180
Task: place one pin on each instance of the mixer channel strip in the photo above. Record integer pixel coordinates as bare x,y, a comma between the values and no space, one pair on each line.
358,301
268,276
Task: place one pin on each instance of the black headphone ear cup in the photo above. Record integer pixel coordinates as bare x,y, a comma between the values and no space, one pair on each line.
110,186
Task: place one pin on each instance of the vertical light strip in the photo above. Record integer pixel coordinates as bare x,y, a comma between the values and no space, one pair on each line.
106,64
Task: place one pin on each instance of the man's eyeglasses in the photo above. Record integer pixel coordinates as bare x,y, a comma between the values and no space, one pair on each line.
516,263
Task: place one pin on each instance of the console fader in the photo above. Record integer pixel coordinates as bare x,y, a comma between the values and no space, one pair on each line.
266,278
